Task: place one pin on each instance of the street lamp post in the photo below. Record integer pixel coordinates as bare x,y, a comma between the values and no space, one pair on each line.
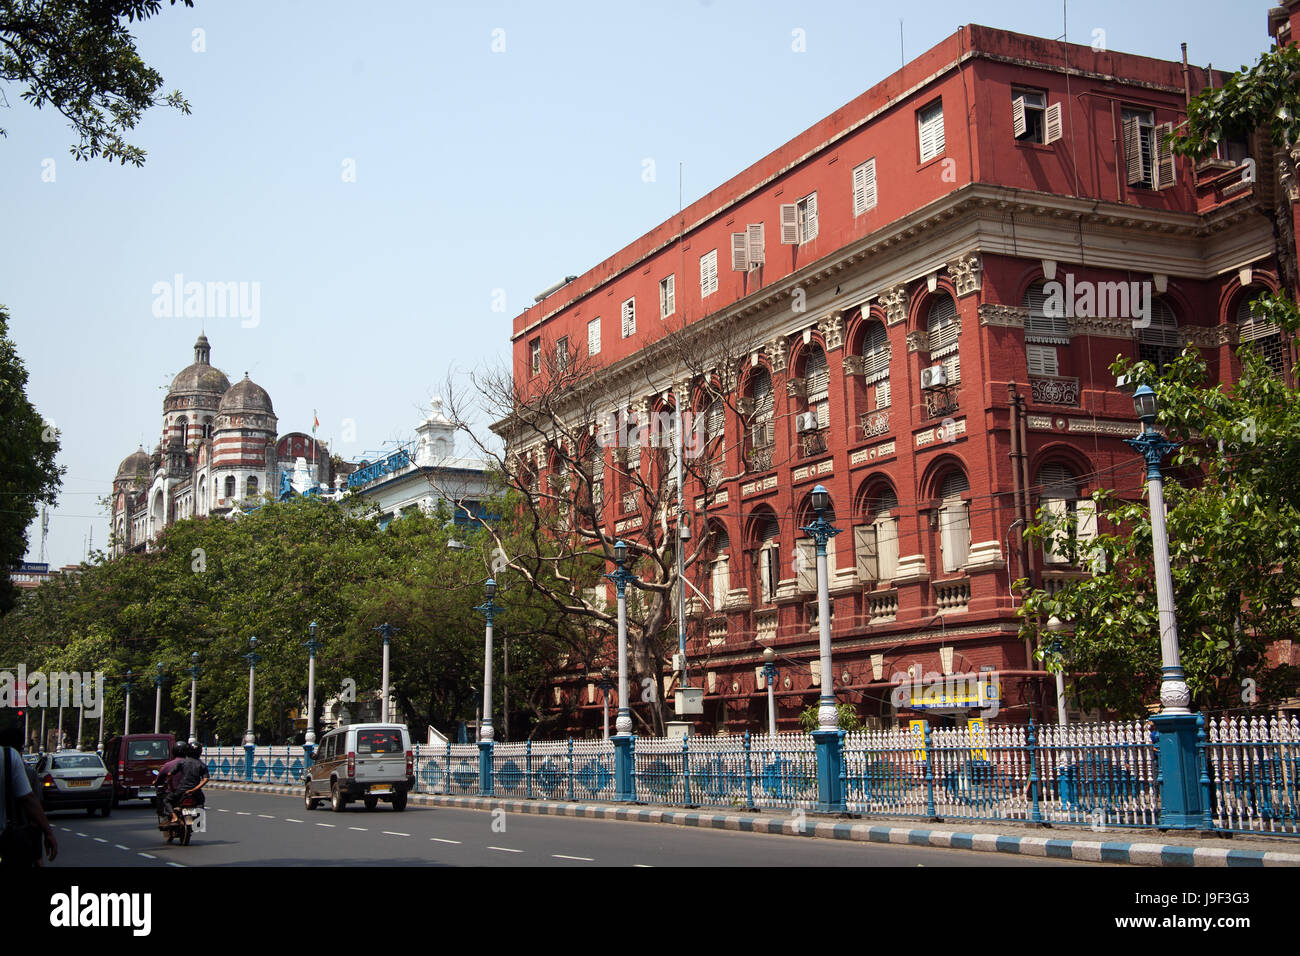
489,609
250,738
605,685
387,630
1181,797
309,740
623,722
769,678
1055,627
828,736
194,696
126,715
157,699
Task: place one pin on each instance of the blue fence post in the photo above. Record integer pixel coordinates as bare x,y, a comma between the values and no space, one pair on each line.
624,765
1180,789
686,770
1203,755
930,810
570,768
448,766
485,769
248,762
1036,814
830,755
749,775
528,767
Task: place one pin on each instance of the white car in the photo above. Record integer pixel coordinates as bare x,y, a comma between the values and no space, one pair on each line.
366,762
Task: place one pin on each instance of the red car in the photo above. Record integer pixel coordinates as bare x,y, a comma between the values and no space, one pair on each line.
132,760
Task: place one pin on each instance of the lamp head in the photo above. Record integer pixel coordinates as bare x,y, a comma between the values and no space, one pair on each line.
769,655
620,553
490,588
1144,403
311,628
821,499
195,657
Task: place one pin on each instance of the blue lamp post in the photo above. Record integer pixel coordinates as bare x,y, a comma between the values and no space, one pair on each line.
489,609
312,645
387,630
250,738
769,678
829,738
194,696
1175,724
126,716
157,703
605,685
623,722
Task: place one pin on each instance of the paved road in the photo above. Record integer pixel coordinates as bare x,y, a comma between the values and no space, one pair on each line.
275,830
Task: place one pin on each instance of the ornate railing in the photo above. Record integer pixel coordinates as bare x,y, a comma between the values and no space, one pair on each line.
941,402
874,423
882,607
750,771
1252,764
952,595
1054,390
812,444
760,459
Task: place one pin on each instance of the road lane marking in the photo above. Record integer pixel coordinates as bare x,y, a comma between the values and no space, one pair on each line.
395,833
504,849
642,866
170,863
440,840
80,834
291,820
242,813
266,816
100,840
148,857
362,829
584,859
325,825
219,810
120,847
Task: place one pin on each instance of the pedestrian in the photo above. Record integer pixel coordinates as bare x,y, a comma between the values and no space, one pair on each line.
22,821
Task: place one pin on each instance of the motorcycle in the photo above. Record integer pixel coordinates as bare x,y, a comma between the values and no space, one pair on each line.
193,819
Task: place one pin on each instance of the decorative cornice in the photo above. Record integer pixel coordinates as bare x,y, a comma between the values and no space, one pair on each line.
1007,316
894,302
832,330
918,341
777,353
965,273
855,365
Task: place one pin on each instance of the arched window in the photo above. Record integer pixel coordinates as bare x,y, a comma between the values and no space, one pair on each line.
768,554
806,575
875,542
762,433
1075,517
230,487
876,355
1159,342
817,385
185,430
954,521
250,487
943,327
719,572
1046,327
1261,335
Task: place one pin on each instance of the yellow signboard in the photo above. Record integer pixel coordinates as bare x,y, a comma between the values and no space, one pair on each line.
917,728
979,738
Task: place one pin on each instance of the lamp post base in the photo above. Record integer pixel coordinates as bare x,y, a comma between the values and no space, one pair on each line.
623,761
1181,797
485,768
830,761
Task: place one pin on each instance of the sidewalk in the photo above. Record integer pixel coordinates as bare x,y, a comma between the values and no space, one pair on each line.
1113,845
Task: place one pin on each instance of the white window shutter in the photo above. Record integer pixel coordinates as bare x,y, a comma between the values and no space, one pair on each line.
1054,512
807,577
886,548
869,184
739,252
1042,360
1132,150
882,393
1052,124
1165,166
721,582
864,550
709,273
593,337
789,224
954,526
1018,124
754,235
811,223
629,318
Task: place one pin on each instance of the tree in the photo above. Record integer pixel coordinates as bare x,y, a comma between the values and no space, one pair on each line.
29,476
79,57
1232,494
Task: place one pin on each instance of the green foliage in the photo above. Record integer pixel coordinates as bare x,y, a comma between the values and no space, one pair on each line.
80,58
1232,495
845,715
28,473
1266,94
213,583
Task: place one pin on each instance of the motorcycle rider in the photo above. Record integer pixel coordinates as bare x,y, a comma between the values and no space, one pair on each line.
193,775
169,780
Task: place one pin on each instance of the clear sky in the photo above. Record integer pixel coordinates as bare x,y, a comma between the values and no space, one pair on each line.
496,147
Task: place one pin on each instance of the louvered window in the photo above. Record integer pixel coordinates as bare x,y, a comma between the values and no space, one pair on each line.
817,383
954,522
709,273
721,544
1159,343
769,562
943,326
876,354
1042,360
667,297
629,318
1148,160
1046,324
930,131
864,187
761,391
1263,336
799,221
562,354
593,336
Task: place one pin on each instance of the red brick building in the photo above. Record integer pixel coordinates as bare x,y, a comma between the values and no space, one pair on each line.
887,277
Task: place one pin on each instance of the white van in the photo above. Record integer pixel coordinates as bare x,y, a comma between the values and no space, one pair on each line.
366,762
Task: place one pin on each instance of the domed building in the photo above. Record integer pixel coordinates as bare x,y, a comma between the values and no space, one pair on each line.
220,448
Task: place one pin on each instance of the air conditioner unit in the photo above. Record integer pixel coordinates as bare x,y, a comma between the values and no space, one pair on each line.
805,422
936,376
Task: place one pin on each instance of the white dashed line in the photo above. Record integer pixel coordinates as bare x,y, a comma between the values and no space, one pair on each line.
362,829
220,810
242,813
642,866
330,825
148,857
504,849
80,834
266,816
120,847
440,840
583,859
291,820
170,863
395,833
100,840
